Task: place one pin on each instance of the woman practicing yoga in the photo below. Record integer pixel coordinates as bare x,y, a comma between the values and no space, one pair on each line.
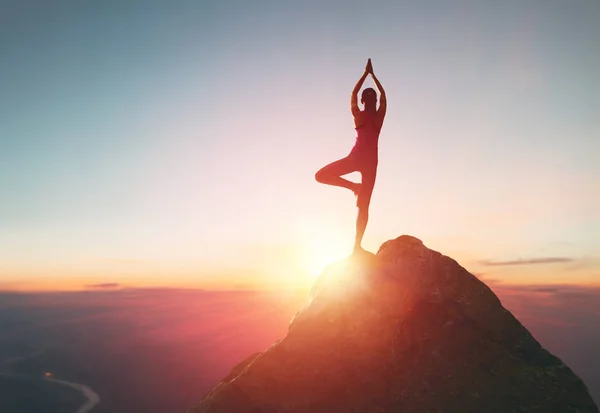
363,156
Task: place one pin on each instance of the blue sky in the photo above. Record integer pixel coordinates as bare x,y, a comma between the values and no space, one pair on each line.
180,134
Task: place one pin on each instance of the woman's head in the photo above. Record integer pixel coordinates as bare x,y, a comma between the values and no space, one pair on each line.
369,98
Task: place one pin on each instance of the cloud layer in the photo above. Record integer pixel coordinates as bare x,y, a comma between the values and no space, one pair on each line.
528,261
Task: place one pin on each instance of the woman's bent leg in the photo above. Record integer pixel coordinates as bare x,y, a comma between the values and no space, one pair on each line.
331,174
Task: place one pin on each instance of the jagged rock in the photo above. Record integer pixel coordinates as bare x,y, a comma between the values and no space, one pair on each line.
406,330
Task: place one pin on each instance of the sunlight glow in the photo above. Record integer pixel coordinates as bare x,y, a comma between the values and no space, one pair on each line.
322,253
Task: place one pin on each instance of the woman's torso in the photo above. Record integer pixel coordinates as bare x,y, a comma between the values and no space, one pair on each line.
367,125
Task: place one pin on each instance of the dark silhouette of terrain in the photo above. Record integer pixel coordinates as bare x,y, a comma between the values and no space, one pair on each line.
405,330
34,395
140,350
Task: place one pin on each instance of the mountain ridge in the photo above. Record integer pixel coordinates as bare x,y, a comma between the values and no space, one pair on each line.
407,329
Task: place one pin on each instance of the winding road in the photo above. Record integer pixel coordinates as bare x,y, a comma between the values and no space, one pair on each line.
92,397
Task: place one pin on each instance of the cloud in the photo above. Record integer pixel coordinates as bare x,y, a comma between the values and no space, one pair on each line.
542,260
127,261
546,290
104,285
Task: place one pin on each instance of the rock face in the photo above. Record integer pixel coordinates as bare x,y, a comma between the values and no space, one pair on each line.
406,330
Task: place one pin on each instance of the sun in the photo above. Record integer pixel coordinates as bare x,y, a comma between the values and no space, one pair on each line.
321,253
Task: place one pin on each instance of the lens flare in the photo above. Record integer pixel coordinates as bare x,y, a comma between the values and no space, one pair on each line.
322,253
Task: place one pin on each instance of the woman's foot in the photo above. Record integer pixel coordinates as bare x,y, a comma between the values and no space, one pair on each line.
358,250
360,253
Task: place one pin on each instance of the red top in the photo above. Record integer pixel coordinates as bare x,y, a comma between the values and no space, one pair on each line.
367,137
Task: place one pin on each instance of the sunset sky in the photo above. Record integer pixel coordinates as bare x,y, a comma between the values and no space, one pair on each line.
174,143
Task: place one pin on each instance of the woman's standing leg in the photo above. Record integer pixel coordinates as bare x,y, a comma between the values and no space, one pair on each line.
363,201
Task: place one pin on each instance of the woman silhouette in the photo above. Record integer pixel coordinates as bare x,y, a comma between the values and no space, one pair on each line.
363,156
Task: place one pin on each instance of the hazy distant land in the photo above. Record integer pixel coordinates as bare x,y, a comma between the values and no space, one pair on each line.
160,350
